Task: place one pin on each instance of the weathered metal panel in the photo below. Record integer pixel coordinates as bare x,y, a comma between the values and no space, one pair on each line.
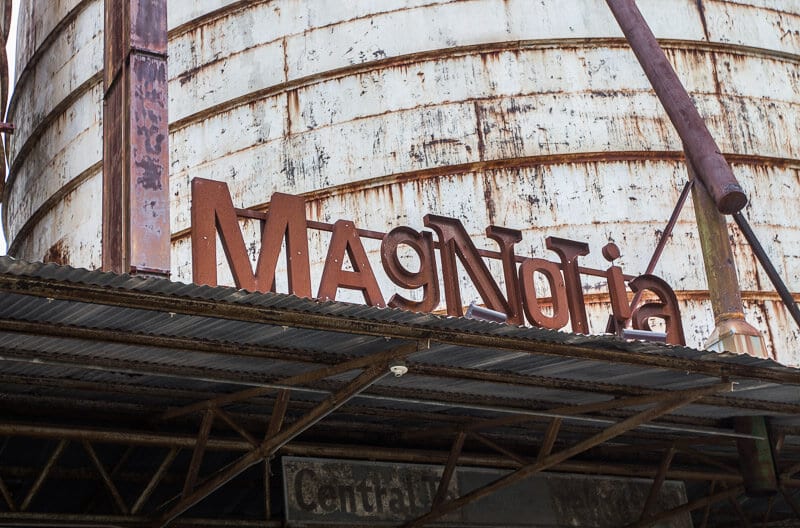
81,242
761,24
56,110
36,23
65,150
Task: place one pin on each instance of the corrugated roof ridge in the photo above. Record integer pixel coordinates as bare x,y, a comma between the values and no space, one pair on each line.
49,271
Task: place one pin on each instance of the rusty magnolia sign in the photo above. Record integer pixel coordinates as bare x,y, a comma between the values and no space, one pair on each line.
213,214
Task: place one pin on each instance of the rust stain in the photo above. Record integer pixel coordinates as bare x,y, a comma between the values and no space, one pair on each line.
479,131
187,75
57,254
212,16
488,197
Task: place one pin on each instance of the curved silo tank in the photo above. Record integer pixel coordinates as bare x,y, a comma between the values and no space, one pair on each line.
530,115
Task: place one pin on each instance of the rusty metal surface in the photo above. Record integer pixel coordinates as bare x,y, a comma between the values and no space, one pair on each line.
136,221
539,119
325,330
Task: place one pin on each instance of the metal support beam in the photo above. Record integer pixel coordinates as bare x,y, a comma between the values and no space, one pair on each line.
737,508
521,461
275,442
554,459
549,439
66,520
655,489
112,489
732,333
225,417
267,492
758,250
449,469
199,451
136,221
689,507
155,481
555,412
37,485
665,235
707,510
711,461
299,379
114,472
278,414
12,506
701,149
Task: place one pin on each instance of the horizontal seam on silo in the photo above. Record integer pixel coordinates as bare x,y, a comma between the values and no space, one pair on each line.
35,134
43,173
223,12
762,8
414,58
51,202
259,145
512,163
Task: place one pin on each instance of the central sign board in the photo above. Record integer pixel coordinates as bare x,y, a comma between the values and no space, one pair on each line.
347,266
353,493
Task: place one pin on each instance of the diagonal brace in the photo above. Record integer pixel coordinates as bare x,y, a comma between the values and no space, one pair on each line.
275,442
658,482
689,507
555,459
112,489
198,453
449,469
12,506
299,379
155,481
37,485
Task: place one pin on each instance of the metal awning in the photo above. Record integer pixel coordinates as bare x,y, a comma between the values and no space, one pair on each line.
216,380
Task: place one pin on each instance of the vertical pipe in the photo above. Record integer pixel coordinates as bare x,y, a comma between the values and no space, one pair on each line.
723,282
756,457
731,333
136,222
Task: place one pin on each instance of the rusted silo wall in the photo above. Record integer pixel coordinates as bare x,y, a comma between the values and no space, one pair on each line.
531,115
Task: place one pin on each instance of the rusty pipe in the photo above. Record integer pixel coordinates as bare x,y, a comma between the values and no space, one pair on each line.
702,151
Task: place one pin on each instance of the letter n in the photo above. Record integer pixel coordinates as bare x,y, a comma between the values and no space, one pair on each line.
455,243
213,213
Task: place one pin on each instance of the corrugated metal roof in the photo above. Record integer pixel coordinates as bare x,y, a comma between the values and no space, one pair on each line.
144,334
